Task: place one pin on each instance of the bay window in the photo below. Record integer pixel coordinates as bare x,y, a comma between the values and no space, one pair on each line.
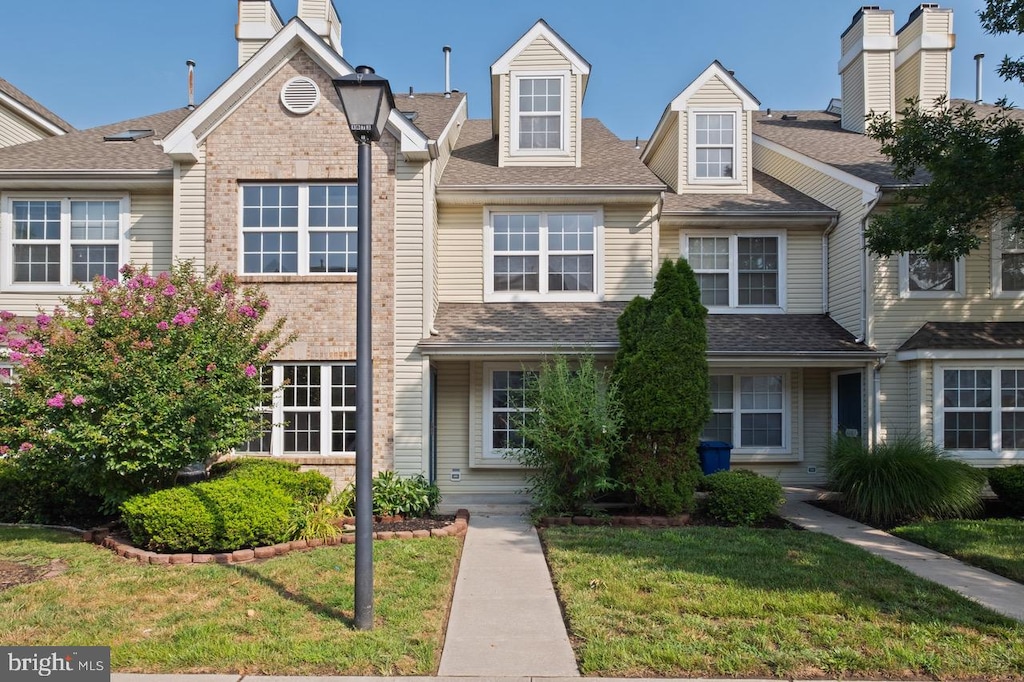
980,408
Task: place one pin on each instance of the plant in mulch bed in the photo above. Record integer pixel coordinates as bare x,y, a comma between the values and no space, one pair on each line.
1008,485
901,480
741,497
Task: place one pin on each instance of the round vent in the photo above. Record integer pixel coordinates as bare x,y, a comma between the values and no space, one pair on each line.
300,95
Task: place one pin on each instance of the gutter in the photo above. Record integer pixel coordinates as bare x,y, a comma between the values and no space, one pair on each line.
72,172
549,188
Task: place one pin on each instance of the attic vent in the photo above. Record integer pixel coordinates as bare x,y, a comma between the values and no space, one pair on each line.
300,95
789,117
128,136
411,115
835,106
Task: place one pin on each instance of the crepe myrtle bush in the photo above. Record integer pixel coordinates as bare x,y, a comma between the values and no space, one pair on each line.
125,384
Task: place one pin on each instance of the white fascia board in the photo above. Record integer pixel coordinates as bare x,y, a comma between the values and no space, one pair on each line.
961,354
32,116
874,43
659,132
541,28
715,69
869,190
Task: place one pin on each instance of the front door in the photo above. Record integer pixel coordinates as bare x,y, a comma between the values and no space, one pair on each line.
849,404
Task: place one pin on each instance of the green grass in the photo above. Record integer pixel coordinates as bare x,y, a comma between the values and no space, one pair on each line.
196,618
734,602
996,545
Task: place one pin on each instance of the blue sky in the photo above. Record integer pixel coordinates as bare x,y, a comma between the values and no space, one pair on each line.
102,61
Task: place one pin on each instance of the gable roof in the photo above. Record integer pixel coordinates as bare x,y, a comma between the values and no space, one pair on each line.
715,70
541,29
769,196
32,109
86,151
434,111
607,162
183,141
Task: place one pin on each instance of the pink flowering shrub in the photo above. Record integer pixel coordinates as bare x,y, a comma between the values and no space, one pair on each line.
123,387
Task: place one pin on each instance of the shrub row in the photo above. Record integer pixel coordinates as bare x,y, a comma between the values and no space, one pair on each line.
1008,485
246,503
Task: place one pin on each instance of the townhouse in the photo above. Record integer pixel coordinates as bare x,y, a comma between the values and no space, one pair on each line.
500,241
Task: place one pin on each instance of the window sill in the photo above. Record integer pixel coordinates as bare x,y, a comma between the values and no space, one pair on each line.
495,463
782,456
534,297
752,310
931,295
341,278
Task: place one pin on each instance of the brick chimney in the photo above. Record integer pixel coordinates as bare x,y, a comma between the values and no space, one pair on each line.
322,17
867,66
925,44
258,21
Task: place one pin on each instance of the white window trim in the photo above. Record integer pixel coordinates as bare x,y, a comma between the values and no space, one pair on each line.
489,457
7,282
996,242
734,307
737,146
303,229
277,410
939,414
490,295
959,272
762,453
513,143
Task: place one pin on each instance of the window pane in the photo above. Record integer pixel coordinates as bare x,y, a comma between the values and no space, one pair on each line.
1013,271
761,430
721,392
540,132
37,263
332,251
967,431
714,289
269,252
89,262
95,220
571,273
718,428
930,275
36,220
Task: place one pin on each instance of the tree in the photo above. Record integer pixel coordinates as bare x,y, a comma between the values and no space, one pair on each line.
971,166
134,379
662,372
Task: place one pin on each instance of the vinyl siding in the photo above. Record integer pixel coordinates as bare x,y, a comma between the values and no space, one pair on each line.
935,72
16,130
908,80
628,245
664,159
845,251
460,254
151,230
411,370
459,435
853,94
715,94
189,240
878,74
538,57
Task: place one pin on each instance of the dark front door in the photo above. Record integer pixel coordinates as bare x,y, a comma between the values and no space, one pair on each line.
849,404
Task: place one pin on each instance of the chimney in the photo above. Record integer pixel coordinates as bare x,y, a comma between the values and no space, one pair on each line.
866,68
258,21
322,17
923,56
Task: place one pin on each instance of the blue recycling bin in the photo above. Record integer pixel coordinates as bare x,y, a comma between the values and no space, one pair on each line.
714,456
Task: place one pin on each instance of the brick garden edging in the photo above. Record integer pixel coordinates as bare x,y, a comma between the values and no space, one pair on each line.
630,521
102,537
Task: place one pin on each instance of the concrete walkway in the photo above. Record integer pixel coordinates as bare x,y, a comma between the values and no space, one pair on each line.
505,620
988,589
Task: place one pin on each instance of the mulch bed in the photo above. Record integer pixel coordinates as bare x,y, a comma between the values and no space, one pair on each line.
425,523
991,509
643,521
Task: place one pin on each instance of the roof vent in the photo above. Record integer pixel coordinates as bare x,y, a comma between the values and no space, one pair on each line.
835,106
300,95
789,117
128,135
411,115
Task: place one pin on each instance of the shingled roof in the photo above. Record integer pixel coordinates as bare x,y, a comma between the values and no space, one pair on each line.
14,93
433,110
573,326
966,336
85,150
607,161
769,195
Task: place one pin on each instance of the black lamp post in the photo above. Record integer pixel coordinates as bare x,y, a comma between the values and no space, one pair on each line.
367,101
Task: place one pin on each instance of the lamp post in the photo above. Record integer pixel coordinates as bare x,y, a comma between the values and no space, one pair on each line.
367,101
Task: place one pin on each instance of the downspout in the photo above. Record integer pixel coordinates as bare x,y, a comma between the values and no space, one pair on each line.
824,262
876,384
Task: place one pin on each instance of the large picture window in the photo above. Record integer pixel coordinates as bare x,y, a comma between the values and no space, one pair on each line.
749,411
299,229
980,408
543,254
737,271
312,412
58,242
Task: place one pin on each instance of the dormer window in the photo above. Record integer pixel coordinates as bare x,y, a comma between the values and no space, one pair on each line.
539,116
714,151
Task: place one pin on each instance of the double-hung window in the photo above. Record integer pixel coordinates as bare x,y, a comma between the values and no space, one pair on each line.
1008,263
505,408
539,115
713,146
312,412
299,229
58,242
549,255
980,408
739,271
749,411
924,277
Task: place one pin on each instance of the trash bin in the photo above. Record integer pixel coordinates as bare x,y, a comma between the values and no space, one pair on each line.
714,456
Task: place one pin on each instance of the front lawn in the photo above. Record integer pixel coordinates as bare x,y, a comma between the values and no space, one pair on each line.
734,602
287,615
996,545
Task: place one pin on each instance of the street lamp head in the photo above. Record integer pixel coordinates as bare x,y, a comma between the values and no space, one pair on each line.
367,101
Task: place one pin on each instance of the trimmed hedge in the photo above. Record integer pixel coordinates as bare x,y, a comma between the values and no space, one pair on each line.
304,486
741,497
1008,485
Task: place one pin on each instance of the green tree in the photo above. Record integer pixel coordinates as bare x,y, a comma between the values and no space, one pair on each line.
967,170
134,379
662,371
573,432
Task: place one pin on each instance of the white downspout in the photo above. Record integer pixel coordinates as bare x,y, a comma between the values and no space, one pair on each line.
876,387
